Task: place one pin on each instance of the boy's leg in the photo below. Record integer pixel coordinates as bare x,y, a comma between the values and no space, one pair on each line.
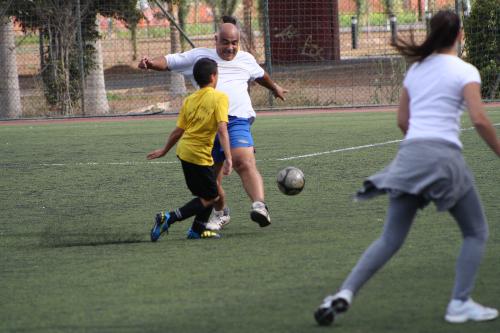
202,183
192,208
199,224
163,221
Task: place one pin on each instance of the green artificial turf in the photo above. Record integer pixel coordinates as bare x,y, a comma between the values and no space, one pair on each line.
78,201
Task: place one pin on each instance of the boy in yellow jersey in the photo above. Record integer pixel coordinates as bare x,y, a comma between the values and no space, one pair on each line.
203,115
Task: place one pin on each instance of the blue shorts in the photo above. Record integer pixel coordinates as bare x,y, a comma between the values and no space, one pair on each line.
239,136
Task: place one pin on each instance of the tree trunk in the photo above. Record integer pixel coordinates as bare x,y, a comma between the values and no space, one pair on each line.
10,95
96,101
175,80
247,35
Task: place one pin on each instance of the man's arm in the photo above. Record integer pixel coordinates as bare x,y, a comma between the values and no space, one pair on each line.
267,82
157,63
172,140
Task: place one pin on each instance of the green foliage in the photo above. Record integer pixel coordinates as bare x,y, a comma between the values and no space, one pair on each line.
482,44
361,8
223,7
57,24
378,19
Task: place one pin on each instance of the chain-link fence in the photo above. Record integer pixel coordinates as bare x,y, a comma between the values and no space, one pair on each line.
79,57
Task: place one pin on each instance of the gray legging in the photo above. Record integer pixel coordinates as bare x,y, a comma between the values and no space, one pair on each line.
470,217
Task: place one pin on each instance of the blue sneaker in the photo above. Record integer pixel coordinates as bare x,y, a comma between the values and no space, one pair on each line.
205,234
161,225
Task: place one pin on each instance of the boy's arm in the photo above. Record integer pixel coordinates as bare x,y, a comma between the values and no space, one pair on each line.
172,140
224,141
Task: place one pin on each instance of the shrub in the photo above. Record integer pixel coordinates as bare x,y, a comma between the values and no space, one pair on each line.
482,44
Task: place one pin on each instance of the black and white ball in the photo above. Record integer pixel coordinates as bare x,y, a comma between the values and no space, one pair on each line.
291,180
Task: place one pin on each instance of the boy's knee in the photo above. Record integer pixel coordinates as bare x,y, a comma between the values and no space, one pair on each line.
209,202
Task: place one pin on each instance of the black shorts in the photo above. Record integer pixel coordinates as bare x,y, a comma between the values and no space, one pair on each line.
200,179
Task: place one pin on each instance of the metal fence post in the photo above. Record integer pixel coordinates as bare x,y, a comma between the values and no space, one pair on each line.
428,16
267,45
354,32
394,28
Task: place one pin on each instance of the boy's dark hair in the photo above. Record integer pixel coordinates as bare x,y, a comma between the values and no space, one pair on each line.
445,26
202,71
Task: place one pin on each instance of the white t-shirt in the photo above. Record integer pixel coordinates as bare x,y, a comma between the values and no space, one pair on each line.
233,76
435,87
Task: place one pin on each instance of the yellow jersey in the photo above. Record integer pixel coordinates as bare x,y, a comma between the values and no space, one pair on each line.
199,118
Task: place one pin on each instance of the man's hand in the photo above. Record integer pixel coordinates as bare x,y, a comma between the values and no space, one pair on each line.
279,92
156,64
156,154
227,167
143,64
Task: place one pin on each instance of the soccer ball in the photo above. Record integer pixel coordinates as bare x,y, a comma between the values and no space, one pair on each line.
290,180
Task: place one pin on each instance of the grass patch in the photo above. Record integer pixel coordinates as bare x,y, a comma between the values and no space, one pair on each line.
78,200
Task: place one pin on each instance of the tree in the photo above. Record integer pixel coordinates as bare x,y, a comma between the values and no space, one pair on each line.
389,7
176,80
10,96
61,55
247,35
182,12
96,101
58,24
221,8
482,44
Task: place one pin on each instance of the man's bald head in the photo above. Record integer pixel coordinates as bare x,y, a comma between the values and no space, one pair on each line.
227,41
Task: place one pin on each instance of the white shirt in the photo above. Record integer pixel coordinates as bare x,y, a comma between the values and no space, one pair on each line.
233,76
435,87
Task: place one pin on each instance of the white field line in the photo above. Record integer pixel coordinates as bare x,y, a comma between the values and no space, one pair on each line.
337,150
355,148
288,158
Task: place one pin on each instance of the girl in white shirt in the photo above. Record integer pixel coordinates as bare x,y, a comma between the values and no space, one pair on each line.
429,166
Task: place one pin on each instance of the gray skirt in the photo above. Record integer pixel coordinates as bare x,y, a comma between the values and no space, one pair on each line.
432,169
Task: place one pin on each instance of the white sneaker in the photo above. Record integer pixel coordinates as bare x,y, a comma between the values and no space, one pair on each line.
461,311
260,214
218,220
333,305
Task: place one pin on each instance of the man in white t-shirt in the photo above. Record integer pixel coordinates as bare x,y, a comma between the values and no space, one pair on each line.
236,69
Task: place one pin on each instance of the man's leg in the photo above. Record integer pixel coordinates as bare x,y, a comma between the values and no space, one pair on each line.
244,164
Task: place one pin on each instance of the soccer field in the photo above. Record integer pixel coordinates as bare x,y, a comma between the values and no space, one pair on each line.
78,201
